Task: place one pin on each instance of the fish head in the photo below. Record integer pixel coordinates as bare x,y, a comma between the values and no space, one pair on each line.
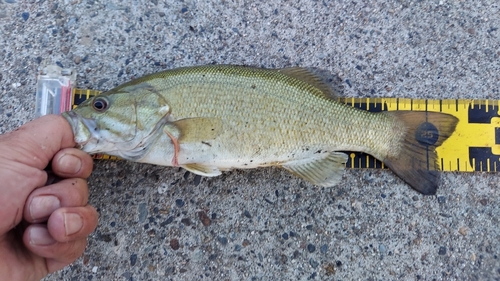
122,122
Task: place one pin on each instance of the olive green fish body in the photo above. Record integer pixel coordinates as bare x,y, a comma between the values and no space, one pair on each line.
225,117
268,115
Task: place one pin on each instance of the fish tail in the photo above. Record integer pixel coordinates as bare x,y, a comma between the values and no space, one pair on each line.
416,161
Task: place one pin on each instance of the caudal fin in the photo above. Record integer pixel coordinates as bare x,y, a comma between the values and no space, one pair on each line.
417,162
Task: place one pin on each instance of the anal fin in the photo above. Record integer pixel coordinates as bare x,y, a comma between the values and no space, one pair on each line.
323,171
202,170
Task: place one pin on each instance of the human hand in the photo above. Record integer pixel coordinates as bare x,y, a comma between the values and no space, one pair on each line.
43,226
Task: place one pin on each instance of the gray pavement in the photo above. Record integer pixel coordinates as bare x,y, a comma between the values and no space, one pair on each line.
160,223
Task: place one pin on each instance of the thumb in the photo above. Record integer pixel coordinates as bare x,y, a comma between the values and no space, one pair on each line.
35,143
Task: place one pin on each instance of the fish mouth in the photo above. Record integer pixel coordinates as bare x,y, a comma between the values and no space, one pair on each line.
89,138
82,127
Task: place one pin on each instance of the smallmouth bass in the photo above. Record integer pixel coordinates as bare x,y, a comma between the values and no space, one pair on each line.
214,118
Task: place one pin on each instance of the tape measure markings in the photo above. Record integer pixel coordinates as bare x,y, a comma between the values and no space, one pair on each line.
474,146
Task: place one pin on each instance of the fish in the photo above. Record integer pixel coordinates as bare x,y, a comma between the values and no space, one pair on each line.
213,118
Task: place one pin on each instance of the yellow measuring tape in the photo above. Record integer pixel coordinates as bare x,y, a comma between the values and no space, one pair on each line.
474,146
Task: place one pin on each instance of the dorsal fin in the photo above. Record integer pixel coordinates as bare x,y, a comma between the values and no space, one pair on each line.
305,75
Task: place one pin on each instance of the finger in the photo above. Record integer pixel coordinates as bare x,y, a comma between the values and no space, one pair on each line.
18,181
59,263
35,143
38,240
72,163
43,201
62,232
72,223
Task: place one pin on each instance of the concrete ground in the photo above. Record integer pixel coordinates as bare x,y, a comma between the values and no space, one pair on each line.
161,223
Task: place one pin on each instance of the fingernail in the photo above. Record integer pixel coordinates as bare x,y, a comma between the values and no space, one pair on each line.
72,223
70,164
40,236
42,206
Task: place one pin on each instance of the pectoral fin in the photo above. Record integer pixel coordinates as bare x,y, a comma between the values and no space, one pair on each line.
190,130
202,170
198,129
323,171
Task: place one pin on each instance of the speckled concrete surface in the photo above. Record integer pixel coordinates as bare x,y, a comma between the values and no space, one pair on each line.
161,223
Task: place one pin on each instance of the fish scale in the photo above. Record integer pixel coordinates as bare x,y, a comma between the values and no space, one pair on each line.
208,119
310,123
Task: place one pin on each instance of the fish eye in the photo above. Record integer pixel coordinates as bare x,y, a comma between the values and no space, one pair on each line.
100,104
